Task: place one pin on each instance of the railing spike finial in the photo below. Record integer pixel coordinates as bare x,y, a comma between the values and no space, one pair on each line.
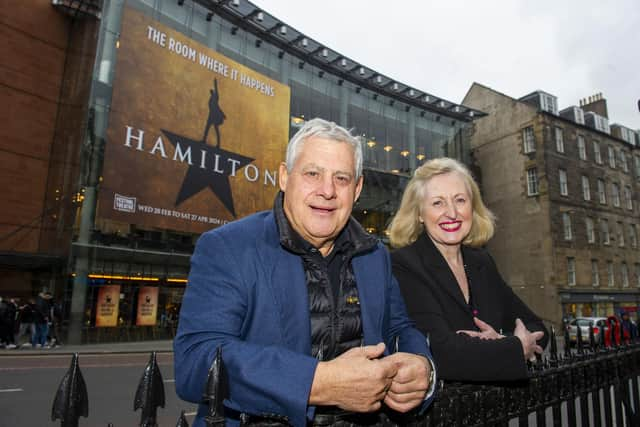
579,344
182,421
539,365
71,401
553,351
621,330
244,420
567,344
613,336
150,393
602,340
592,338
214,392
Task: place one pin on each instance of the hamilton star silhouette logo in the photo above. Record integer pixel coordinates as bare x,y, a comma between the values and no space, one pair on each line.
216,178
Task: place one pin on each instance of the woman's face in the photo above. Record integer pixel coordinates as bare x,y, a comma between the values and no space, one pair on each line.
446,209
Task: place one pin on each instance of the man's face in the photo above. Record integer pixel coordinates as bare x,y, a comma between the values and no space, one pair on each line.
320,190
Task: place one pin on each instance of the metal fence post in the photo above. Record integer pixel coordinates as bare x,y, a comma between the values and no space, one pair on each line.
214,392
150,393
182,421
71,400
577,378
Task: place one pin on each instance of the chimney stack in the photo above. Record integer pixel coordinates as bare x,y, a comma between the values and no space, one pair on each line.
596,104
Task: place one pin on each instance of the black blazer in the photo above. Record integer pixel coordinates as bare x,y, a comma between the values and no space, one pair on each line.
435,302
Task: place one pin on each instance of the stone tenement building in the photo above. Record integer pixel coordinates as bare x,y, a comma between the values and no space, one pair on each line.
565,188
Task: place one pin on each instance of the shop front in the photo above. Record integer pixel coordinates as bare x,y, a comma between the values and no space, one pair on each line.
133,291
123,308
601,304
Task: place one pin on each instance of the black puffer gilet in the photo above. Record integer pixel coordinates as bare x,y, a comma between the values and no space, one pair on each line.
336,325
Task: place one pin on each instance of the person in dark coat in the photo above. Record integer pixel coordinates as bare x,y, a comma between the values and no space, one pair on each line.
4,322
8,310
56,323
629,329
42,317
26,325
479,329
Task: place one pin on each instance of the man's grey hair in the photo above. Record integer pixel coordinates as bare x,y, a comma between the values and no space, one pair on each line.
327,130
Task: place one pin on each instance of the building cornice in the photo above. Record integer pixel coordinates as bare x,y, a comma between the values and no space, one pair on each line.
244,14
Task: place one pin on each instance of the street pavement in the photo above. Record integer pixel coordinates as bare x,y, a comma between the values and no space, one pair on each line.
29,379
162,346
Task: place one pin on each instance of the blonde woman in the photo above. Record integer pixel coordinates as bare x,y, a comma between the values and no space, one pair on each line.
479,329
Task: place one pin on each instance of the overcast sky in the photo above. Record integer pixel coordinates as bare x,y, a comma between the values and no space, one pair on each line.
569,48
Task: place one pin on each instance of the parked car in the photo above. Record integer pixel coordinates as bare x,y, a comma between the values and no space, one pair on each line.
583,323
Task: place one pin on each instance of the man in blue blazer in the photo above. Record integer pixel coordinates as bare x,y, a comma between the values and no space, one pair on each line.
302,302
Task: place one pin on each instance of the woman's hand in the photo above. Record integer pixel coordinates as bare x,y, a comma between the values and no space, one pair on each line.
528,339
486,331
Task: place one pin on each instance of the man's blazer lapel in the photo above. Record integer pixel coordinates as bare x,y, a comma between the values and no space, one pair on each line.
288,286
371,298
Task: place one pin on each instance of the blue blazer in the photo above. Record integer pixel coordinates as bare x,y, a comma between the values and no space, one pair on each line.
248,294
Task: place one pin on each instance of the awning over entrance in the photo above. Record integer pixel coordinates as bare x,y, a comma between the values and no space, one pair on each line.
577,297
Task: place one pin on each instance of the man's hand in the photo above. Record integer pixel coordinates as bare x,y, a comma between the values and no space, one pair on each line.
528,340
355,381
411,382
486,331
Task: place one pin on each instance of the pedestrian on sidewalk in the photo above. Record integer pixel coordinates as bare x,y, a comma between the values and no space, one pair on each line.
9,323
4,322
56,323
629,329
41,320
25,323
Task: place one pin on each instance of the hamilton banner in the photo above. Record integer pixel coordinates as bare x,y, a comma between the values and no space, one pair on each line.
107,306
194,139
147,306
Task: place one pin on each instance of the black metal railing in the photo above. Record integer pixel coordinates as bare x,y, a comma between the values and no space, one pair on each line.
597,384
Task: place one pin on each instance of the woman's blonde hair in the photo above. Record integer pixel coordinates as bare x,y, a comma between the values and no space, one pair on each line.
406,227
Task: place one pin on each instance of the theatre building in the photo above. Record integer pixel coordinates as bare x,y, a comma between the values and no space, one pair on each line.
131,127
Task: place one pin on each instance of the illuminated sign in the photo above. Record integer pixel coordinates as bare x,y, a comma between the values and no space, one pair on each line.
147,306
107,306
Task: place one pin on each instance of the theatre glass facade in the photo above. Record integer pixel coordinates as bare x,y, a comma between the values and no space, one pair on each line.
172,119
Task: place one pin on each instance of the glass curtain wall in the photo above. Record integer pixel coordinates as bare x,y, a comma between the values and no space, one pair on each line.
397,138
